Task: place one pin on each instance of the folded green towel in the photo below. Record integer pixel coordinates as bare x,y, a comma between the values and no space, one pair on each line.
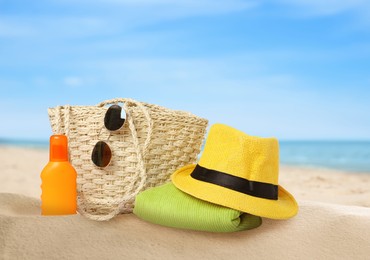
168,206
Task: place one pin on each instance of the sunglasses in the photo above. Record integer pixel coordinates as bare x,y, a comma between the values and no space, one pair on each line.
102,154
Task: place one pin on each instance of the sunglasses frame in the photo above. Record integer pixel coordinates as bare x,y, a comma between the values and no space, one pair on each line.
113,123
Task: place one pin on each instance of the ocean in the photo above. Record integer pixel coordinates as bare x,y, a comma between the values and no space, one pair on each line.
340,155
42,144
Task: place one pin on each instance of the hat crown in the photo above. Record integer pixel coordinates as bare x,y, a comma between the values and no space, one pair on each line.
231,151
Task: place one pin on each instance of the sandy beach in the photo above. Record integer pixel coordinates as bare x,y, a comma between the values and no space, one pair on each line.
21,167
334,217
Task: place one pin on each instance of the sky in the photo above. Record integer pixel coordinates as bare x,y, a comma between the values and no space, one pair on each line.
292,69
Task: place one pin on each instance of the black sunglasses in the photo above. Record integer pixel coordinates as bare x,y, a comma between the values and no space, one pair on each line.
102,154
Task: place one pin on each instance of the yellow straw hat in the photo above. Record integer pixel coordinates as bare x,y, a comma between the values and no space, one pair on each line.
240,172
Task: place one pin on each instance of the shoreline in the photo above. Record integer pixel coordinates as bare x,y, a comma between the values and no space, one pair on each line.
323,169
20,169
44,146
316,232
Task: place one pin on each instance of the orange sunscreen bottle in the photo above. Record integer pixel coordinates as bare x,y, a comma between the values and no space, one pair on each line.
59,188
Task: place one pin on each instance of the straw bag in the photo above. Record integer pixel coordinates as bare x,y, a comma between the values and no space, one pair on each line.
153,142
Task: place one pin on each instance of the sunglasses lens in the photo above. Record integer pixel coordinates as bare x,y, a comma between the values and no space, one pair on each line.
101,154
112,119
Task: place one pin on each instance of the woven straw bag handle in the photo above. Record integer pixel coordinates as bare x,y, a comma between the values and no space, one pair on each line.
63,114
58,118
141,154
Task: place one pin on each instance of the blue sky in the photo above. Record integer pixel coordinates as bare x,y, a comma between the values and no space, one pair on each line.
290,69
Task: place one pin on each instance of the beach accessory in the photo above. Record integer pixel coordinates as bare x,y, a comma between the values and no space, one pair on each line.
102,154
168,206
58,186
151,143
238,171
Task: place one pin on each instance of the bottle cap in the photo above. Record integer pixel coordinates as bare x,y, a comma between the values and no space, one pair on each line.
58,148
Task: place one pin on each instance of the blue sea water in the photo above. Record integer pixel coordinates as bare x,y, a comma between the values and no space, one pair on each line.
42,144
341,155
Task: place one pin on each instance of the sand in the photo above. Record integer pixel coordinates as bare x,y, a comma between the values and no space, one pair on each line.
333,222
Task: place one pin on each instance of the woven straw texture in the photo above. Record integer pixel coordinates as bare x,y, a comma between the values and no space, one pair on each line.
153,143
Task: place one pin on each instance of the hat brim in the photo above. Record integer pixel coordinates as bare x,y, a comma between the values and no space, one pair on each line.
283,208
